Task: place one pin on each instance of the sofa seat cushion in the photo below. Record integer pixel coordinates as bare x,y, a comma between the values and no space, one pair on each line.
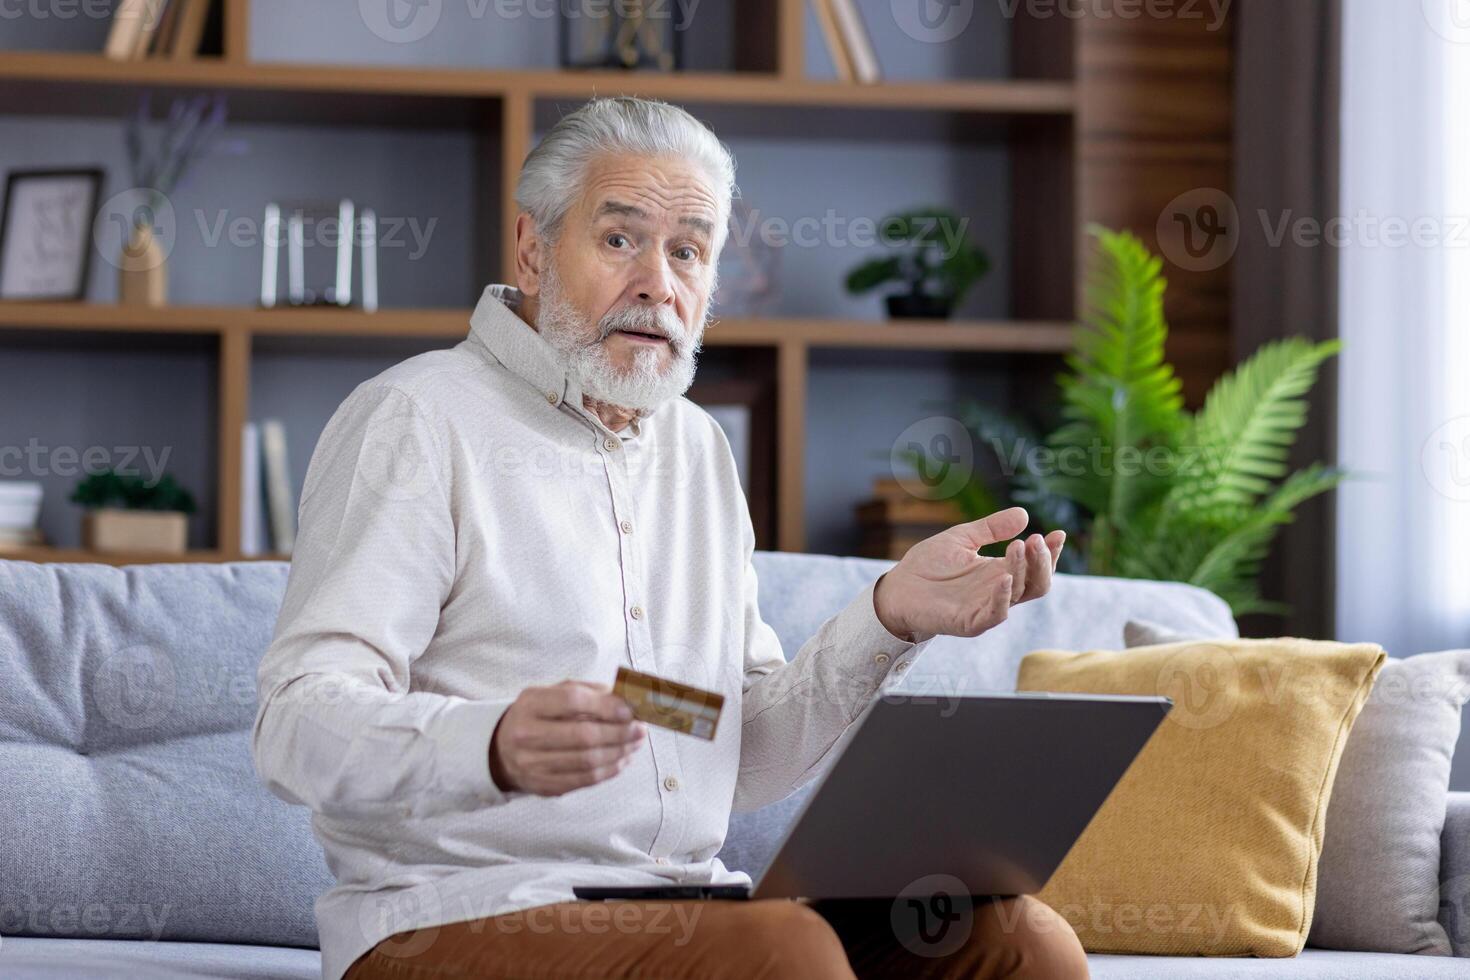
94,959
1311,964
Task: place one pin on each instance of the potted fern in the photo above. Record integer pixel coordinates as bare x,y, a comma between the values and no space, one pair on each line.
129,514
1145,488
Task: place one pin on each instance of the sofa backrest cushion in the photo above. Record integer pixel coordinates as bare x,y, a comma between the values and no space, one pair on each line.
131,806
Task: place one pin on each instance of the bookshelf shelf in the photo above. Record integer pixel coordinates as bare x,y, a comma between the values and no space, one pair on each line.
45,555
1013,337
1018,97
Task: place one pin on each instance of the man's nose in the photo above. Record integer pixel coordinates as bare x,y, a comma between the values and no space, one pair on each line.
654,282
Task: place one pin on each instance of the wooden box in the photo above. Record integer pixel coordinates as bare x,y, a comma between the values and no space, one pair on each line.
153,531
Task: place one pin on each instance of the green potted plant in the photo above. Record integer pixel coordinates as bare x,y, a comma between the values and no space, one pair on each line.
130,514
1145,488
931,260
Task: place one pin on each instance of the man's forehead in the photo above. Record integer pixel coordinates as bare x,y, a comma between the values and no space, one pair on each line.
695,218
650,189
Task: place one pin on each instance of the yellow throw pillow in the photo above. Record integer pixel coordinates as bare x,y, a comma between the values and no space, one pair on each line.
1208,846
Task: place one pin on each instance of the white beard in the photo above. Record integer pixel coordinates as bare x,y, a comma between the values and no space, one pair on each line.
643,386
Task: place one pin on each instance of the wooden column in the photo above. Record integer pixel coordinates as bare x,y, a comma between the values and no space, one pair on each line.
790,40
1155,121
791,378
234,410
517,129
237,30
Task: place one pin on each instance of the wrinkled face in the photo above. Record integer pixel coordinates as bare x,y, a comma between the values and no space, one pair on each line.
624,293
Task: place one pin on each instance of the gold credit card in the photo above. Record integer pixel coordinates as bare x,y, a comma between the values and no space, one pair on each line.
670,704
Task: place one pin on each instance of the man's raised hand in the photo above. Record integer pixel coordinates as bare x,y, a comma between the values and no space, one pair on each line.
943,587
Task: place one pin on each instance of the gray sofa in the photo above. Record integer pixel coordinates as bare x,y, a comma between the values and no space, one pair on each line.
136,841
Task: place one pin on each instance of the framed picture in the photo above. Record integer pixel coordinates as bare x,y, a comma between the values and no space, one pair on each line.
46,233
744,410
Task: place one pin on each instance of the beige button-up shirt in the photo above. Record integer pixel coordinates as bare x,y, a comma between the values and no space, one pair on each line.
469,529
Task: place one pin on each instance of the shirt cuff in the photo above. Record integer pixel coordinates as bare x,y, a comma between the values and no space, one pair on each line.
461,736
859,633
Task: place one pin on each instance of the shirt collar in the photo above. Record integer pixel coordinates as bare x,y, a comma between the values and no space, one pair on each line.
512,342
526,354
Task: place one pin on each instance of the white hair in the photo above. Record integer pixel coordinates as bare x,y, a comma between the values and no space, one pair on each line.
553,174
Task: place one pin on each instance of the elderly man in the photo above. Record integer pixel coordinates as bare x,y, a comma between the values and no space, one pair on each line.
489,532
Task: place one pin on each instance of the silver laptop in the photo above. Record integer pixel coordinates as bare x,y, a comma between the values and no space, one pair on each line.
991,790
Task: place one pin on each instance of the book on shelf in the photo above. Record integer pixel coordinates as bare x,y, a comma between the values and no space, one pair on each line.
854,37
157,29
280,498
833,37
14,540
20,514
896,519
166,28
194,18
252,494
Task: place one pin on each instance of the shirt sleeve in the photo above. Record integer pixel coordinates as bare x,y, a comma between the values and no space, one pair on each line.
793,714
338,728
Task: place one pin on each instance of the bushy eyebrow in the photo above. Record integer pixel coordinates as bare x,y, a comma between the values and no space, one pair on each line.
634,211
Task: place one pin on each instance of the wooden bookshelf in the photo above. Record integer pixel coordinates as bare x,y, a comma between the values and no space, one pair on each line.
1040,116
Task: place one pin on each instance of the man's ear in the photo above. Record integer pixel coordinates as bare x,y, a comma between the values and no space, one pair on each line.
530,255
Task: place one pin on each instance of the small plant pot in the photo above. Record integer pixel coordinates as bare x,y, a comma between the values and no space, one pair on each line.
109,530
911,306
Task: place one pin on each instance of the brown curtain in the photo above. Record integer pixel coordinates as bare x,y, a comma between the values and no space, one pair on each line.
1287,96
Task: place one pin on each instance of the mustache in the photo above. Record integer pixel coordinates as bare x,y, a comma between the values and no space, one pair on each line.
659,320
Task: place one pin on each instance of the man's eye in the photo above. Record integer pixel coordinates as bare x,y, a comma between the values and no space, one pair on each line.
685,253
617,239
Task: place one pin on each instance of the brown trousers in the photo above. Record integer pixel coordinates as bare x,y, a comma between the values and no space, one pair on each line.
1018,938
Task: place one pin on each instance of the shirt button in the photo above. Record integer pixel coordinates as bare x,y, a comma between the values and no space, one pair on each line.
627,527
636,612
611,445
900,668
671,783
553,397
660,860
882,659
